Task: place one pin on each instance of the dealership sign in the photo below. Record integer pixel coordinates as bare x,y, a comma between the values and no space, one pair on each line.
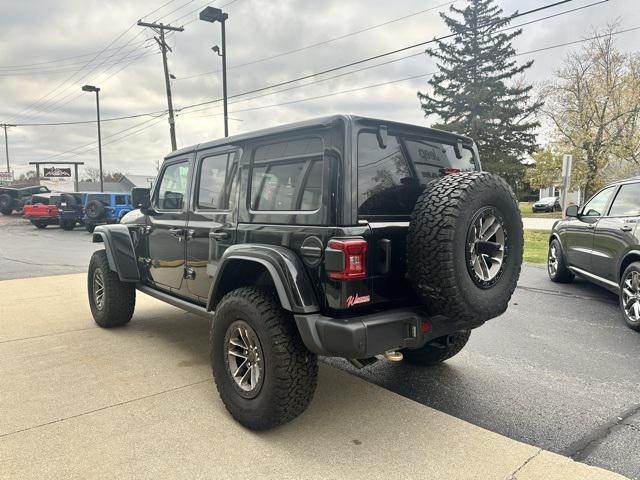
6,176
55,172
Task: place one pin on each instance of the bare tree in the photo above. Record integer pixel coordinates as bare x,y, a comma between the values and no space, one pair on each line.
594,107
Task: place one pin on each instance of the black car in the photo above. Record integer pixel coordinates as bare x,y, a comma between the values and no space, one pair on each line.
13,199
342,236
547,204
600,242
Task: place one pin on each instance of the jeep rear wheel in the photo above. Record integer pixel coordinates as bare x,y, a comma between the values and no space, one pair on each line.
112,301
67,224
465,246
265,375
89,227
437,350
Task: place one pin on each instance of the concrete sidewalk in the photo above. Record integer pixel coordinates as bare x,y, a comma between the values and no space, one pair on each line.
139,402
530,223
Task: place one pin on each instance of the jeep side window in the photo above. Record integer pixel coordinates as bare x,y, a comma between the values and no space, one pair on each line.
214,171
287,176
121,199
173,187
385,183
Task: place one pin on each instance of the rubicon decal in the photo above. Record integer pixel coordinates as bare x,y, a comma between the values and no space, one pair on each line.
357,300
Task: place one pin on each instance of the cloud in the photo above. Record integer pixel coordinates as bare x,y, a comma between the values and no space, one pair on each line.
42,31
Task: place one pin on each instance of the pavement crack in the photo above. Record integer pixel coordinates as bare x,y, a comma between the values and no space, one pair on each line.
41,264
582,448
514,474
558,293
106,407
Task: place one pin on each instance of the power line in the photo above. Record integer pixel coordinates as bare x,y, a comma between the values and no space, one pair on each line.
368,59
413,55
333,69
324,42
158,118
412,77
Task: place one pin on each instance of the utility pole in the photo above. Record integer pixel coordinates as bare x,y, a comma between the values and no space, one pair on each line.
160,28
6,142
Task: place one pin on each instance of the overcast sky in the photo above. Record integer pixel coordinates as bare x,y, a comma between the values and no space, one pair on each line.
49,49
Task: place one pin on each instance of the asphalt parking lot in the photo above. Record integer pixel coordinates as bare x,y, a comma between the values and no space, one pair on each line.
558,372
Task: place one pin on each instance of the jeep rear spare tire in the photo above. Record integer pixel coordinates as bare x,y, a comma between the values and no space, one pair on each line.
94,210
465,246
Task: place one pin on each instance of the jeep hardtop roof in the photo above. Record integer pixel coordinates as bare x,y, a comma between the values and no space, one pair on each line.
319,122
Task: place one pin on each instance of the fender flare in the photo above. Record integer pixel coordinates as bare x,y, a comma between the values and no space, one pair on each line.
633,253
120,251
289,276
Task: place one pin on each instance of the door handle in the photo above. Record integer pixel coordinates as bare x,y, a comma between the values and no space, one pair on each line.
626,228
178,233
591,226
219,235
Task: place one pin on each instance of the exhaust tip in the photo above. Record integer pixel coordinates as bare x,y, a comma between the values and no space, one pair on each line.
393,356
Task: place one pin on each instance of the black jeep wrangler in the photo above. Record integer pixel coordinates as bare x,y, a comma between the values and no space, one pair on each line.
342,236
12,198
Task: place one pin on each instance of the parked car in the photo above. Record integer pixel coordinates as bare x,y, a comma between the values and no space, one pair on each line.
547,204
13,199
54,208
600,242
297,237
105,208
42,209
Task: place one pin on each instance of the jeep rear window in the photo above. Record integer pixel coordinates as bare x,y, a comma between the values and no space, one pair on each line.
389,184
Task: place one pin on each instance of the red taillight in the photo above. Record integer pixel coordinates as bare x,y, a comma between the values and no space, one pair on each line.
451,171
355,259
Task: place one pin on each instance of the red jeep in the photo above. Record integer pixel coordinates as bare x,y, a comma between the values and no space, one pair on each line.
43,210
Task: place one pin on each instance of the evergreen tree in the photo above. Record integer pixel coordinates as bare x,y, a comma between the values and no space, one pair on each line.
475,92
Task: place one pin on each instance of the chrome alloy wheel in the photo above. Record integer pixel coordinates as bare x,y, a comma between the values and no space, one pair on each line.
98,289
486,247
552,261
244,358
631,296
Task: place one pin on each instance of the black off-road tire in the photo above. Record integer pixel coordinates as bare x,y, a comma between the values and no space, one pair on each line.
67,224
119,297
94,210
89,227
290,370
437,350
562,273
438,247
6,204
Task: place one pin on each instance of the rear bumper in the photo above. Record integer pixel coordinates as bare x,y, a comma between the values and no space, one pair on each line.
368,335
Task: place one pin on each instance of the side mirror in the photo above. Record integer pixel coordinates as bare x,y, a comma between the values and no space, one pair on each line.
141,198
572,211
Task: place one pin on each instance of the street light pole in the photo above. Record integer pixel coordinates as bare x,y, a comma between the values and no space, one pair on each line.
91,88
224,77
212,15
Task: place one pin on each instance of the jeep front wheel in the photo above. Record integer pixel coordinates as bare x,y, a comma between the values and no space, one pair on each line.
6,204
264,374
437,350
465,246
112,301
